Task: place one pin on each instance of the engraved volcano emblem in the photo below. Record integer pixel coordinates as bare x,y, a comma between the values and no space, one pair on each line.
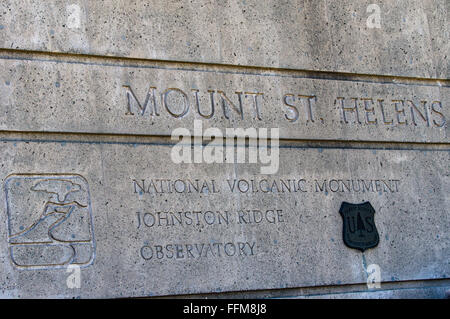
359,229
49,221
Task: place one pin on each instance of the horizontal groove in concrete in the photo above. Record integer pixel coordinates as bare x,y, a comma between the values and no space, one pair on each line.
112,61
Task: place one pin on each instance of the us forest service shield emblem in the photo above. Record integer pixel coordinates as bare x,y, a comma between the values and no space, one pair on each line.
359,230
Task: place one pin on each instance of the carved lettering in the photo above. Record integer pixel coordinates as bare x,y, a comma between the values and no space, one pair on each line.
352,111
198,250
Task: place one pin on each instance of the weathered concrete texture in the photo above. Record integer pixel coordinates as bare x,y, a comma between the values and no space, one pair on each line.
411,293
56,94
281,238
429,289
96,206
315,35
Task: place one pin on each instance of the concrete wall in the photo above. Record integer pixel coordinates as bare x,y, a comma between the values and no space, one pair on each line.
96,206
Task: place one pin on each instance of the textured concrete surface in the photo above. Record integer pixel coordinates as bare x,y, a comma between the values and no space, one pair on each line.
94,205
413,293
57,94
319,35
232,237
420,289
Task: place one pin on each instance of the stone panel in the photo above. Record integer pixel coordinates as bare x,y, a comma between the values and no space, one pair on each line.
315,35
42,93
160,228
